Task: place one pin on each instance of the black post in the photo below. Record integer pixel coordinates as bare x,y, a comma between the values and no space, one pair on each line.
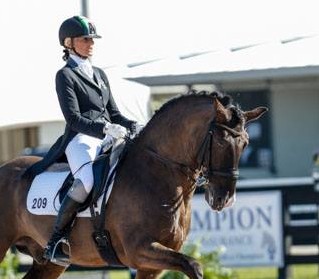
85,8
315,176
282,271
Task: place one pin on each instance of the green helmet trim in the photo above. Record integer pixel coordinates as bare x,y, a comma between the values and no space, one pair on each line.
84,23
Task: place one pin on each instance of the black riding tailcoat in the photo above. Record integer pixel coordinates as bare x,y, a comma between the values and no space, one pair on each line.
86,104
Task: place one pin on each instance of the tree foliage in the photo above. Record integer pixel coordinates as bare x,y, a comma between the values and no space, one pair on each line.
9,266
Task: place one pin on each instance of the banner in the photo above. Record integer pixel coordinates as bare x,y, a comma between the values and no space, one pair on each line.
250,231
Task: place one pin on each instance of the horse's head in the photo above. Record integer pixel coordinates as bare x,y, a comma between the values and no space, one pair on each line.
202,135
223,146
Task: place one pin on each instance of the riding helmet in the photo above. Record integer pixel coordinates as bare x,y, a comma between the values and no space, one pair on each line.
77,26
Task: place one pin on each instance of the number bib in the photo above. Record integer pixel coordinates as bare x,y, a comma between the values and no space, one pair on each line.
42,197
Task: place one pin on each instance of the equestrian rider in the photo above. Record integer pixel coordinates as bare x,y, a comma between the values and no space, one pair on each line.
92,118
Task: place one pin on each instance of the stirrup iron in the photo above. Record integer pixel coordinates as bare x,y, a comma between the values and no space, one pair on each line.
54,260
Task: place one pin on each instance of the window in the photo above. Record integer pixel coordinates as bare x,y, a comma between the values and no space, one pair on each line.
258,154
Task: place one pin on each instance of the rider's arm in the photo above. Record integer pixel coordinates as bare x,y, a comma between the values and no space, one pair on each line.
68,99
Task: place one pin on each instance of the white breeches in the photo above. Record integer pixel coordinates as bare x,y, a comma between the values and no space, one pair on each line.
81,152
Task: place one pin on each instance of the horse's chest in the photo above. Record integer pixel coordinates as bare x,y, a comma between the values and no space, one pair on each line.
176,228
178,231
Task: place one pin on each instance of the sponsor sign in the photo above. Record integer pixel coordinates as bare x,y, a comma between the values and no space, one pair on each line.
251,230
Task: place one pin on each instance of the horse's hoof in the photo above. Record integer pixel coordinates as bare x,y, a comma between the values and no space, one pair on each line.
198,271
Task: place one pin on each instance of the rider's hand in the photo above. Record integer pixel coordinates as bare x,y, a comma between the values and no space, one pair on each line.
135,128
107,142
115,130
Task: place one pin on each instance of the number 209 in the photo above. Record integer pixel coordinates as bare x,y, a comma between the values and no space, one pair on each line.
39,203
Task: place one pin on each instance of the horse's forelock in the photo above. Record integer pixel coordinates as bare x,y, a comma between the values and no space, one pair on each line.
237,116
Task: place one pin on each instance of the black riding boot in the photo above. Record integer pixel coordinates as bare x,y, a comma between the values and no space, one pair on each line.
53,251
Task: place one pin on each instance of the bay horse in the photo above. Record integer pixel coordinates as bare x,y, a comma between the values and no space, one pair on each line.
192,140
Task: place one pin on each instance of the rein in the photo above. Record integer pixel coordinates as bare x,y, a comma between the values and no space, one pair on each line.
204,170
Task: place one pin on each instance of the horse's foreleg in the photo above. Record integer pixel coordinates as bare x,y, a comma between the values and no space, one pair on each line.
155,256
4,247
143,274
44,271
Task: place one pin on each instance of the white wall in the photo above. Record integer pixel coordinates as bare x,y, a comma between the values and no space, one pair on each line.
49,132
295,123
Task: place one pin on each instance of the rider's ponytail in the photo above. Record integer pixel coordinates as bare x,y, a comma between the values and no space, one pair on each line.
66,55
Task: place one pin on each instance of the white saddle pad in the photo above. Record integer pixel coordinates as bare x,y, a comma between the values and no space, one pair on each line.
42,200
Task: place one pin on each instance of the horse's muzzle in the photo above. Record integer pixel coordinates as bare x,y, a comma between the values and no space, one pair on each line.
219,202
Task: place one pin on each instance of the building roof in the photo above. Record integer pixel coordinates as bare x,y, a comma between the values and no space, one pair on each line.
286,58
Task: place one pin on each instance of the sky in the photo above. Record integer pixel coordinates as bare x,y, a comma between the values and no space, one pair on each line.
141,29
146,29
133,31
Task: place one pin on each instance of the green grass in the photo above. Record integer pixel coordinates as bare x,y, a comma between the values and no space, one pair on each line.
310,271
119,275
256,273
306,272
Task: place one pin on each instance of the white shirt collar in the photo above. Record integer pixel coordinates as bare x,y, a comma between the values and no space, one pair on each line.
84,65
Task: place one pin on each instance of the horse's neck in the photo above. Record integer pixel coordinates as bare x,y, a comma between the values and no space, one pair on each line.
174,143
178,140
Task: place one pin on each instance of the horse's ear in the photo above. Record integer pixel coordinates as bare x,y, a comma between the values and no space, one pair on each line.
223,115
254,114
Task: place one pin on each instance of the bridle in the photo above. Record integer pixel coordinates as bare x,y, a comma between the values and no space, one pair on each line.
204,170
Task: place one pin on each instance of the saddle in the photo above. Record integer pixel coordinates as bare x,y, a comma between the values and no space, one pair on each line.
103,178
104,174
101,168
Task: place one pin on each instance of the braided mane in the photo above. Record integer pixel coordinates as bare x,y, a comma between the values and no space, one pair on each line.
224,99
